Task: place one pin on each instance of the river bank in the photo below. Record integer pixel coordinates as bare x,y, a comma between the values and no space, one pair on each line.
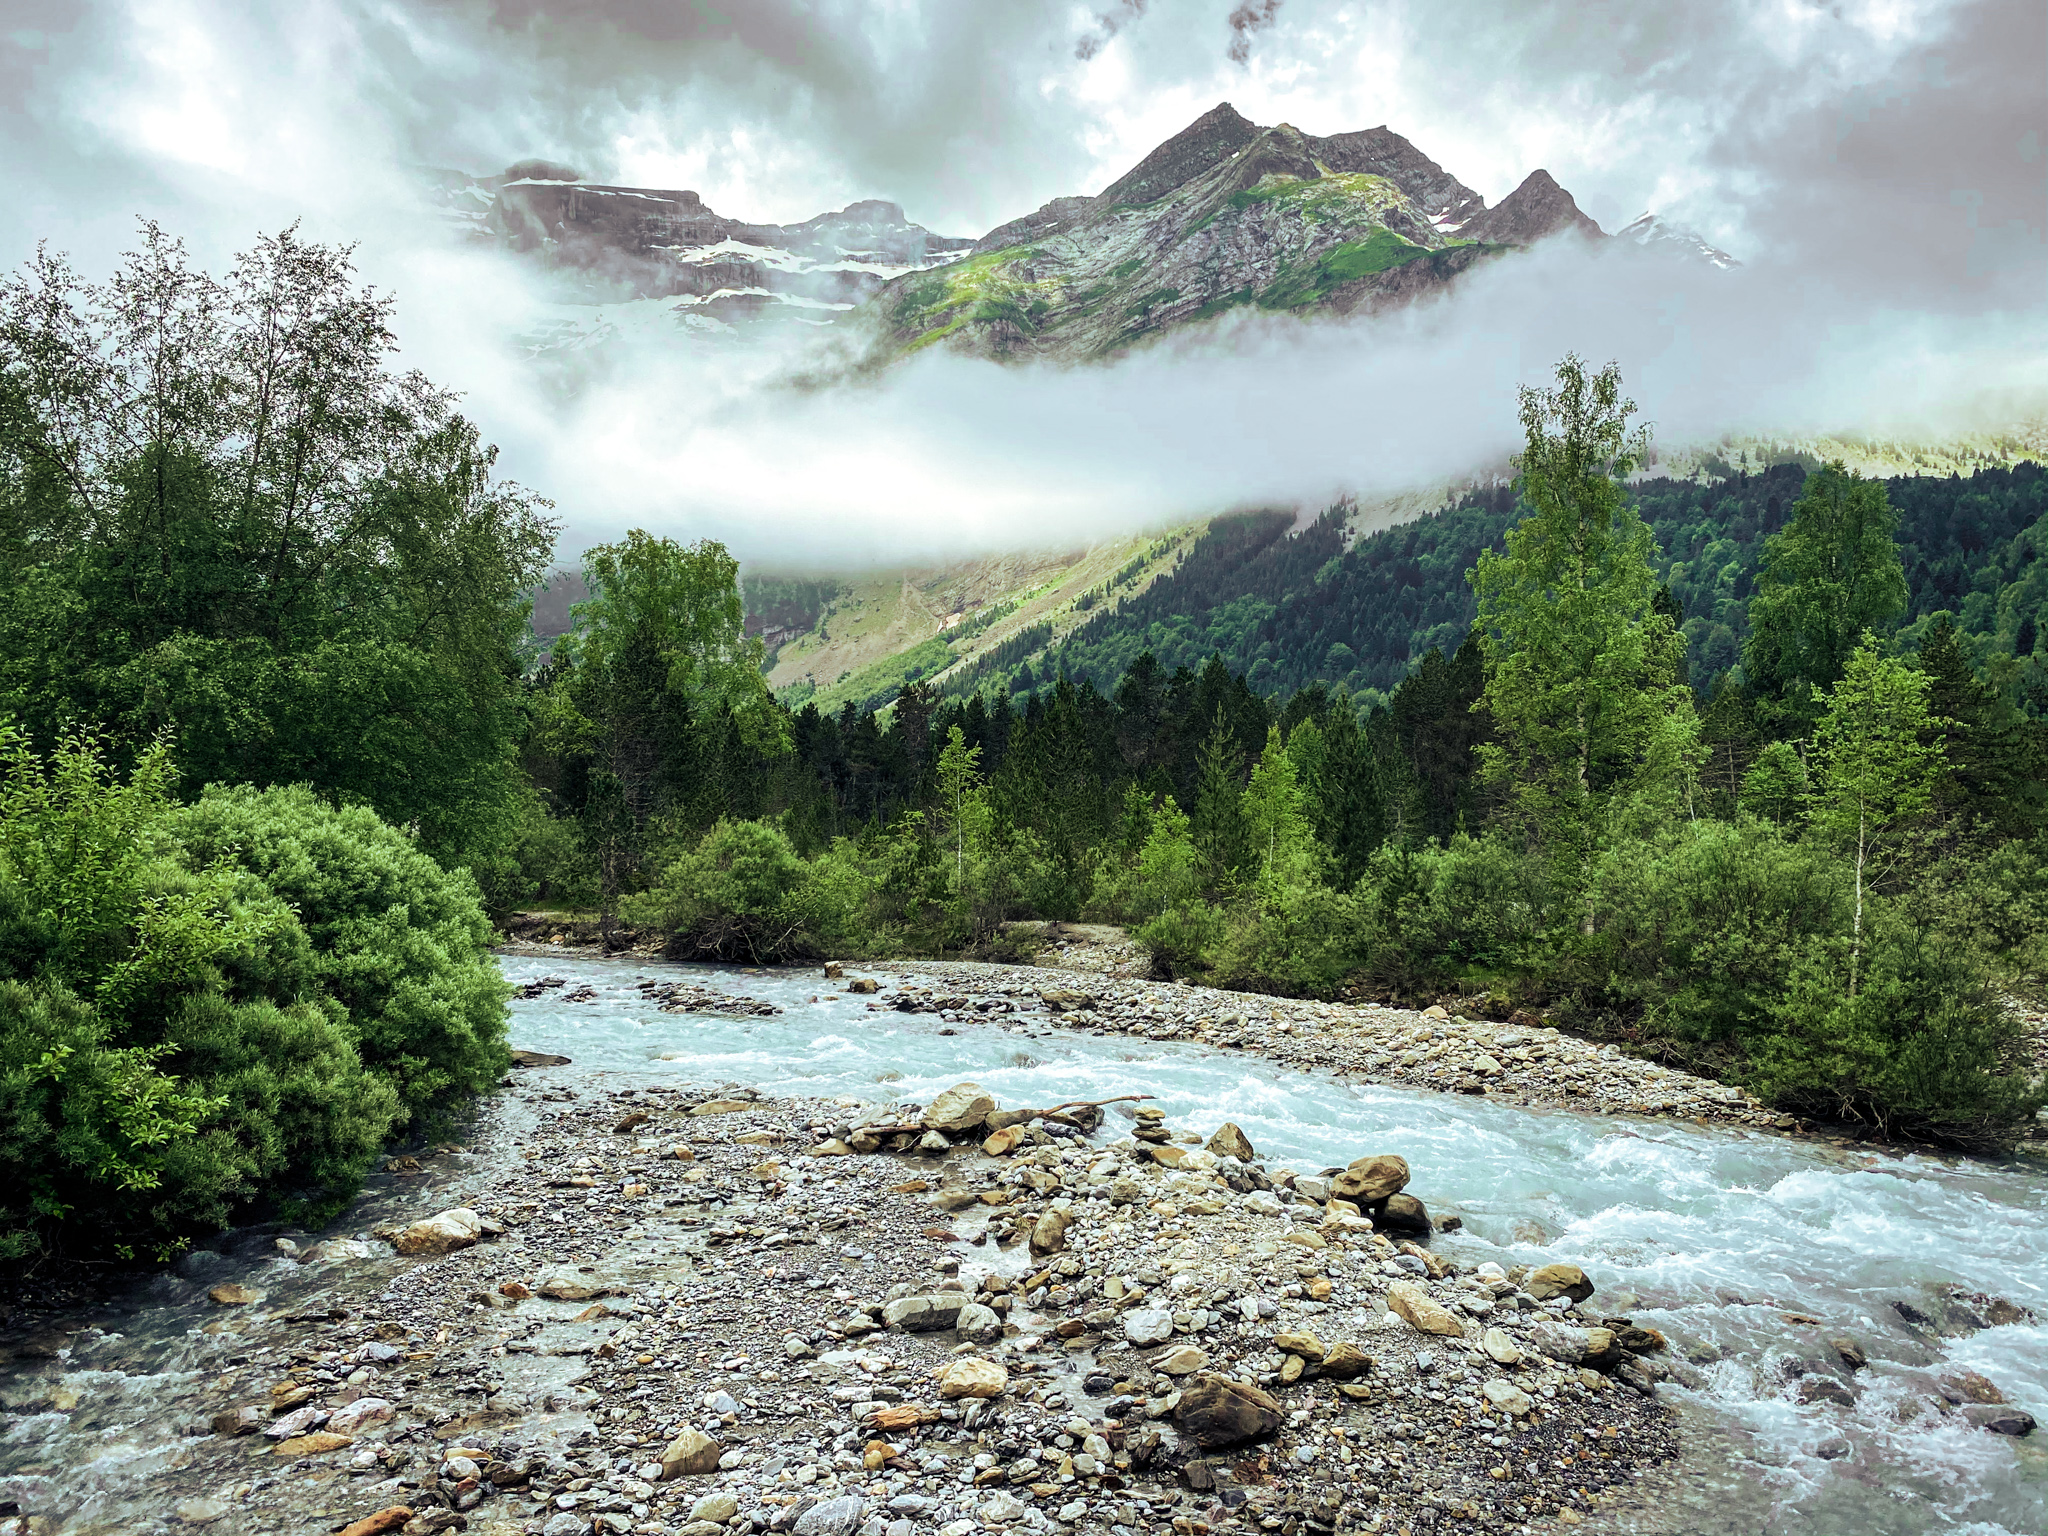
1749,1252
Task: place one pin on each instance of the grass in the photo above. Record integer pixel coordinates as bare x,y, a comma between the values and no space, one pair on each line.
1324,199
1381,251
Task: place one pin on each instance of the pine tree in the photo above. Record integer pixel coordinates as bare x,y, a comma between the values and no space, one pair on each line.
1581,667
1219,829
1832,574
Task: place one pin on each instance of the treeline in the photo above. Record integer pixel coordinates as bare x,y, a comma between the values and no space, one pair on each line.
261,630
1814,882
1290,610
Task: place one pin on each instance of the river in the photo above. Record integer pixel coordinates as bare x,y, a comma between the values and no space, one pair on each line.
1717,1237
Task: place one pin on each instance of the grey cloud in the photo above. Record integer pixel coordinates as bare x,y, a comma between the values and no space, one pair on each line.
1246,20
1107,25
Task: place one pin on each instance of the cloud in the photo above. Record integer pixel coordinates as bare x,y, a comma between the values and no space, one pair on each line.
1880,165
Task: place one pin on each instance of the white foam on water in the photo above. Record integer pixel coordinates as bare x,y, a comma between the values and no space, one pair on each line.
1674,1222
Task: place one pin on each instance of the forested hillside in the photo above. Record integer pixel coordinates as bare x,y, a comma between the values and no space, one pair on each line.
1289,611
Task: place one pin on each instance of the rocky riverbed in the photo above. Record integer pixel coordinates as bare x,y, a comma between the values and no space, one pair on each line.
1520,1063
697,1311
647,1299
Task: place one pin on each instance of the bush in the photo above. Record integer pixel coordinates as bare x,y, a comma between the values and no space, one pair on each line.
1920,1049
178,1047
399,942
744,893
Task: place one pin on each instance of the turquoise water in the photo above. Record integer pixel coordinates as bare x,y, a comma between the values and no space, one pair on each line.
1712,1235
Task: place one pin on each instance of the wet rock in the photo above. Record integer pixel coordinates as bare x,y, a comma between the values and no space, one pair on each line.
1005,1141
376,1525
864,985
691,1454
1573,1346
443,1233
535,1059
1834,1448
1825,1389
1371,1179
1403,1213
1851,1352
1554,1280
1969,1387
1639,1341
350,1418
973,1377
1412,1304
1215,1412
960,1109
245,1420
1999,1419
233,1296
202,1511
1230,1141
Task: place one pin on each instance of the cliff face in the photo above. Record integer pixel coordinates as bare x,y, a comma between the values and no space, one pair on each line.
1224,214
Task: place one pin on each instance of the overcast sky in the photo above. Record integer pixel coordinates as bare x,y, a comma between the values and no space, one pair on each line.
1881,166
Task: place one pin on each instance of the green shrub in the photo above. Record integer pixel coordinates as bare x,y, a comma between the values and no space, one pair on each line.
744,893
399,942
172,1056
1920,1049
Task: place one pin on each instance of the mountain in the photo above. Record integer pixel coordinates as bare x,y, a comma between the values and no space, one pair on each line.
1225,213
1655,233
607,244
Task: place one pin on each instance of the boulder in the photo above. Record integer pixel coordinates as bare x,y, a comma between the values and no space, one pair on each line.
450,1230
1507,1398
715,1507
2000,1420
1554,1280
233,1296
1299,1342
1562,1342
1500,1349
1184,1361
1969,1387
863,985
691,1454
1370,1180
535,1059
972,1376
1229,1141
1063,1000
1344,1361
1005,1141
318,1443
1412,1304
960,1109
724,1107
834,1517
1403,1213
1049,1233
567,1282
349,1418
1148,1325
1214,1412
384,1520
245,1420
925,1314
978,1324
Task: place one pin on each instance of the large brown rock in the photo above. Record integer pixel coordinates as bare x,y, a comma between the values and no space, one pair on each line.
1345,1361
960,1109
691,1454
1214,1412
1049,1233
1412,1304
1558,1280
1230,1141
444,1233
384,1520
1403,1213
1370,1180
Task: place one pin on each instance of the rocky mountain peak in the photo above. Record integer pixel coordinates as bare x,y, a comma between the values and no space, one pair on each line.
1534,211
1214,136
